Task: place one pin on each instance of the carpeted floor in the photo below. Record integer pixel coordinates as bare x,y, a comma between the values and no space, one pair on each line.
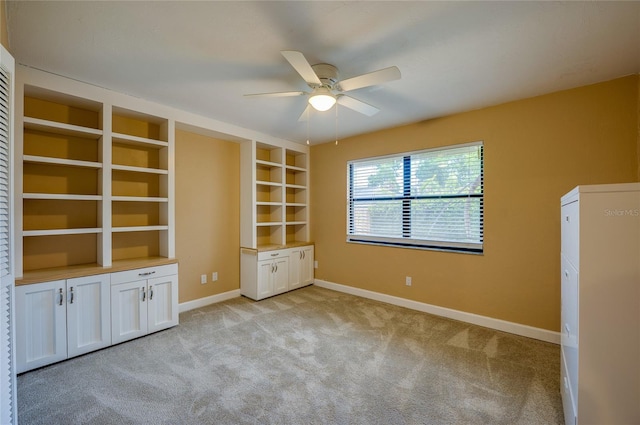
312,356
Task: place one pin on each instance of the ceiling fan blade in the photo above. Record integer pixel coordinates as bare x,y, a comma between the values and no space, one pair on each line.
302,66
357,105
371,79
304,116
277,94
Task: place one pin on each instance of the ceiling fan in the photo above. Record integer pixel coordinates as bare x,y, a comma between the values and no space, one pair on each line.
326,87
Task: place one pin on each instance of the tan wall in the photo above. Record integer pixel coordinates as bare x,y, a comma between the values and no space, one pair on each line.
535,151
207,214
4,36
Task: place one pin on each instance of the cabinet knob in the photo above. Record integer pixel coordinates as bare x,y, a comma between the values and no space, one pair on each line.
566,328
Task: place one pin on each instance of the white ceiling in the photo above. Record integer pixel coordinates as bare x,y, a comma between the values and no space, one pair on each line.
203,56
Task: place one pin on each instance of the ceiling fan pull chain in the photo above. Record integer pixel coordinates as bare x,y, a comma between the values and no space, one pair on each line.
336,124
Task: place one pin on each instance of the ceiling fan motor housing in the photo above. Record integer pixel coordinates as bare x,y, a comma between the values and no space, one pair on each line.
328,74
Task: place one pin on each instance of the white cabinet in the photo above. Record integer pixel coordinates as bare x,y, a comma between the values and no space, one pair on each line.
61,319
300,266
273,276
267,273
88,314
143,301
600,279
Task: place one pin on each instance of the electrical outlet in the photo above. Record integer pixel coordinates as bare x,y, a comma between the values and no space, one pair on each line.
214,276
407,280
203,279
315,264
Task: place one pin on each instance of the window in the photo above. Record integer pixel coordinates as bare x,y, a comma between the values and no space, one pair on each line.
431,199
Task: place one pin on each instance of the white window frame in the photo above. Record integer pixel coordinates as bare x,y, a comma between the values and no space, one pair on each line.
406,240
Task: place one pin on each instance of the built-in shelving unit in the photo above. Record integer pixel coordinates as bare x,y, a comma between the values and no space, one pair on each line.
97,181
274,195
276,254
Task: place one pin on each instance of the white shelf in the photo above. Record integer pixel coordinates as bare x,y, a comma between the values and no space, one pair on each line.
138,228
55,232
295,186
138,141
61,128
266,183
295,204
294,168
138,169
269,223
270,204
268,163
62,196
296,223
60,161
138,199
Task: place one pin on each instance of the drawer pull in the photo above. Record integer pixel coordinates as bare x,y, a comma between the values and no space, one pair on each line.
275,255
566,328
566,274
147,273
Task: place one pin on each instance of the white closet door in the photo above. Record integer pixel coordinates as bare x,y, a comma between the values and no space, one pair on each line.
8,412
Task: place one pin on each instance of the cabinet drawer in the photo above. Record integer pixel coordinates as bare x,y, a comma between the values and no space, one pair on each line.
570,232
569,301
272,255
567,393
143,273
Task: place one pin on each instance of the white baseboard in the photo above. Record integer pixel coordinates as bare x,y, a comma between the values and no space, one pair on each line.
487,322
203,302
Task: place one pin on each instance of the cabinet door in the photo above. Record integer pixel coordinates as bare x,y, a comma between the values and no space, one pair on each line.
88,314
128,311
162,306
280,275
295,262
306,265
41,333
265,281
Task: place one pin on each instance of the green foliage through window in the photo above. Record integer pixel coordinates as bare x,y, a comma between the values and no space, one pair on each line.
427,199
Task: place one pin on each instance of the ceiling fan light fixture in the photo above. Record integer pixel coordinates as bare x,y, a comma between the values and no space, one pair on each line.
322,99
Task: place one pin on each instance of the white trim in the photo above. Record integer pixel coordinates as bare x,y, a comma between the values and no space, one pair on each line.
487,322
203,302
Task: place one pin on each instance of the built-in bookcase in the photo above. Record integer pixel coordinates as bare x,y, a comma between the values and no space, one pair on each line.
97,181
274,195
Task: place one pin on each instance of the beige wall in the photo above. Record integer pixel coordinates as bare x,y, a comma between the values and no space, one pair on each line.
4,36
535,151
207,214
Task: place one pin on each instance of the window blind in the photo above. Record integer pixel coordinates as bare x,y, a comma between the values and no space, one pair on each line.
427,199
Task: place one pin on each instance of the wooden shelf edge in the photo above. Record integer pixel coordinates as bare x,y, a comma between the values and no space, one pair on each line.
82,270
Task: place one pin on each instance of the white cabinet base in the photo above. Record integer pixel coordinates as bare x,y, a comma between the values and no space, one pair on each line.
264,274
65,318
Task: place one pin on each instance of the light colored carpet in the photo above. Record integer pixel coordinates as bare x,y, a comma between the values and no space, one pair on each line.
312,356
